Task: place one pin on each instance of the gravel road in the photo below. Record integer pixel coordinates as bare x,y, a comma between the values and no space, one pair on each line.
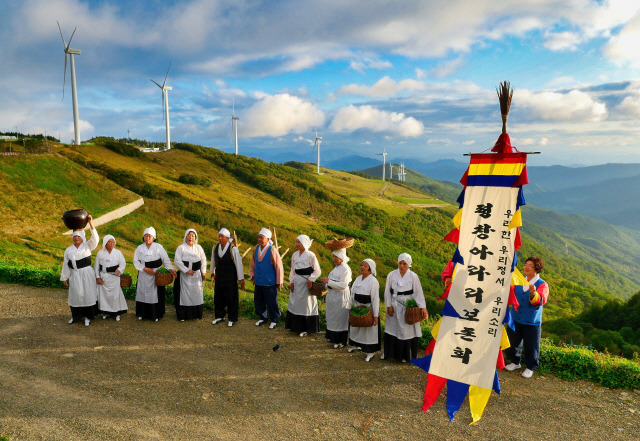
179,381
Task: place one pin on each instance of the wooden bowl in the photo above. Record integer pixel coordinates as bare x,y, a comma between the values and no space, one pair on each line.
338,244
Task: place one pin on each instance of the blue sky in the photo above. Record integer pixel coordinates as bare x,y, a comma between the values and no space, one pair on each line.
417,78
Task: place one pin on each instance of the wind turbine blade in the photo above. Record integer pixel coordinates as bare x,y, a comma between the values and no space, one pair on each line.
155,83
165,77
72,34
64,44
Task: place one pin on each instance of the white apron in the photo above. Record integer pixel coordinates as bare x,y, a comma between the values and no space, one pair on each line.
110,295
301,302
146,289
82,282
191,288
339,298
371,287
396,325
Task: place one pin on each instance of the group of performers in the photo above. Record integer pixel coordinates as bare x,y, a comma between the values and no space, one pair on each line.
95,290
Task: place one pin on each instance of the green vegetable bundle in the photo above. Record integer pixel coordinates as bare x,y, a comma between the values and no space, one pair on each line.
359,311
411,303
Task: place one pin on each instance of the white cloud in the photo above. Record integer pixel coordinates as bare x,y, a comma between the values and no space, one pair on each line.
279,115
630,107
384,87
574,106
561,41
447,68
369,63
625,47
367,117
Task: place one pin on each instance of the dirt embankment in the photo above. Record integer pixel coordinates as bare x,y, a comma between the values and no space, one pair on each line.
169,380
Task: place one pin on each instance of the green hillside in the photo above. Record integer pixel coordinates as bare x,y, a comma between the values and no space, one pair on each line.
192,186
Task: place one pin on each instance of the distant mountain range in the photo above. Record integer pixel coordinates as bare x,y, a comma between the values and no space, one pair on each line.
609,192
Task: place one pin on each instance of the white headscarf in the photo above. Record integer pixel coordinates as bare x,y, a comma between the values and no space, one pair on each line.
79,233
151,231
266,233
106,239
341,254
187,232
372,265
406,257
225,232
306,241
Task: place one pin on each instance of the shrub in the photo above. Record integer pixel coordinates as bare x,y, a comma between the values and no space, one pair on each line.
570,363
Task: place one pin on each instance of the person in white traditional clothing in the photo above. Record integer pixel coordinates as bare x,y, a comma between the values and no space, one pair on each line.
268,275
77,269
365,291
109,267
227,273
400,338
302,311
147,258
338,299
188,292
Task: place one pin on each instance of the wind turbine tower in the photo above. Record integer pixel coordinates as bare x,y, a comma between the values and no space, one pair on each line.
384,162
402,175
165,106
390,171
68,51
234,127
317,145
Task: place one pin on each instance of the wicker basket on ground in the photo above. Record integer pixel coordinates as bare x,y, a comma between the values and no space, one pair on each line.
125,281
337,244
164,279
318,289
361,321
414,315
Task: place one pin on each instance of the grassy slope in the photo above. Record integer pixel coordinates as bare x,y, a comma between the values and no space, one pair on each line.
41,188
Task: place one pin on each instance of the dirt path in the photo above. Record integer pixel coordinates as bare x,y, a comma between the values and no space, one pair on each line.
169,380
115,214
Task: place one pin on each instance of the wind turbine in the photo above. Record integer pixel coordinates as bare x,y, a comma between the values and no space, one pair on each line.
390,171
317,144
68,51
234,126
165,105
384,162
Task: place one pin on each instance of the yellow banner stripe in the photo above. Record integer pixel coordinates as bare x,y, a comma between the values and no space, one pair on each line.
517,278
435,329
478,399
496,169
516,221
457,219
504,341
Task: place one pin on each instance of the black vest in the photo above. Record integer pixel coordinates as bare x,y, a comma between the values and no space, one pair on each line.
226,272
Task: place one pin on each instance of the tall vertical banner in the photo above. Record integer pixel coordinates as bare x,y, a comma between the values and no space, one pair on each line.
470,336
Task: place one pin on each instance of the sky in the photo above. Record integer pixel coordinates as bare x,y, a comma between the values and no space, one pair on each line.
416,78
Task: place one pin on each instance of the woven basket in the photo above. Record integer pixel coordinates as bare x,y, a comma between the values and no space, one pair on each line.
318,289
125,281
338,244
362,321
164,279
414,315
